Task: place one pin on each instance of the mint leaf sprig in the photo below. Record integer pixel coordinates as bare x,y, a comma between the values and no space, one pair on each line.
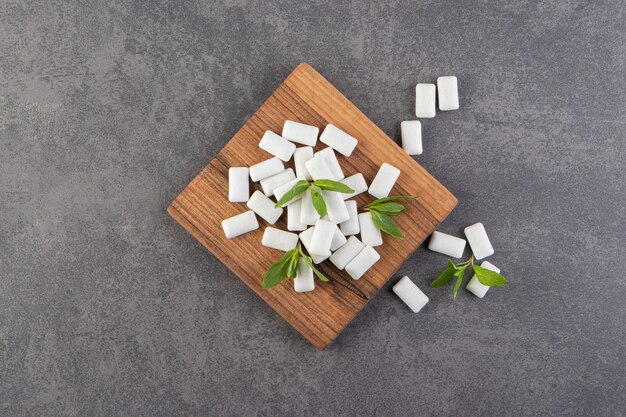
485,276
316,188
382,210
287,267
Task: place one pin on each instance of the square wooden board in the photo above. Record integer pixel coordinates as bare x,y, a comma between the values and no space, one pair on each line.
307,97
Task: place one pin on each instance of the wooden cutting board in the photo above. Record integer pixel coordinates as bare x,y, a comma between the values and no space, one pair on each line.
307,97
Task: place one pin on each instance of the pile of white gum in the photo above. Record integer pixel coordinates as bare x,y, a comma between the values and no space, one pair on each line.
333,237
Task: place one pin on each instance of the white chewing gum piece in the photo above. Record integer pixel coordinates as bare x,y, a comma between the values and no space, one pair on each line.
305,238
238,184
384,181
328,155
322,237
304,281
357,183
300,157
338,140
269,184
425,100
347,252
308,214
278,146
279,239
293,217
479,241
370,234
351,226
447,244
264,207
448,93
411,137
266,169
240,224
475,286
410,294
361,263
319,169
300,133
336,208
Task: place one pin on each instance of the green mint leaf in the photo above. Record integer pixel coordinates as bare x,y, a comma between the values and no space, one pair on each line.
286,257
300,251
277,272
445,277
390,208
461,265
459,280
315,270
330,185
390,198
273,276
459,270
321,276
292,266
308,260
296,190
488,277
318,201
386,224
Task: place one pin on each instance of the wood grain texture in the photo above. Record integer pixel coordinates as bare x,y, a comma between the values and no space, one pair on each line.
307,97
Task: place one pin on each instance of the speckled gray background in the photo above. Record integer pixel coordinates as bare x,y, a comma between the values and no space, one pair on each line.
108,307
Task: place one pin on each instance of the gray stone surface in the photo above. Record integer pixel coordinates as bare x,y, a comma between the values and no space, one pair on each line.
108,307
